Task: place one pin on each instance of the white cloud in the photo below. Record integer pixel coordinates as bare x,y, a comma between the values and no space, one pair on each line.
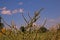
2,8
51,20
58,20
20,3
6,12
18,10
21,10
15,11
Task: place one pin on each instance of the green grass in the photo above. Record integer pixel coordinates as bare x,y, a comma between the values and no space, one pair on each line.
31,36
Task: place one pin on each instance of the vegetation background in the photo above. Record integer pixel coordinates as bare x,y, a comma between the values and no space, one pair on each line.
29,31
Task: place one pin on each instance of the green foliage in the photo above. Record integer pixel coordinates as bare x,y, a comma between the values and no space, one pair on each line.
22,28
43,29
1,25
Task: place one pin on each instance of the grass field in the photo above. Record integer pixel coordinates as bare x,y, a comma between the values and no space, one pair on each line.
18,35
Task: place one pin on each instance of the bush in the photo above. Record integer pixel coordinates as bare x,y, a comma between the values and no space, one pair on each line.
1,26
43,29
22,28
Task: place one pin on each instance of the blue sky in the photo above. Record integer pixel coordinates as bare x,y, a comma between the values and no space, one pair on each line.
12,9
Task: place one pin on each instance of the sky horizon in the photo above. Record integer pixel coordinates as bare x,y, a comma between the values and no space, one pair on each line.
12,9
